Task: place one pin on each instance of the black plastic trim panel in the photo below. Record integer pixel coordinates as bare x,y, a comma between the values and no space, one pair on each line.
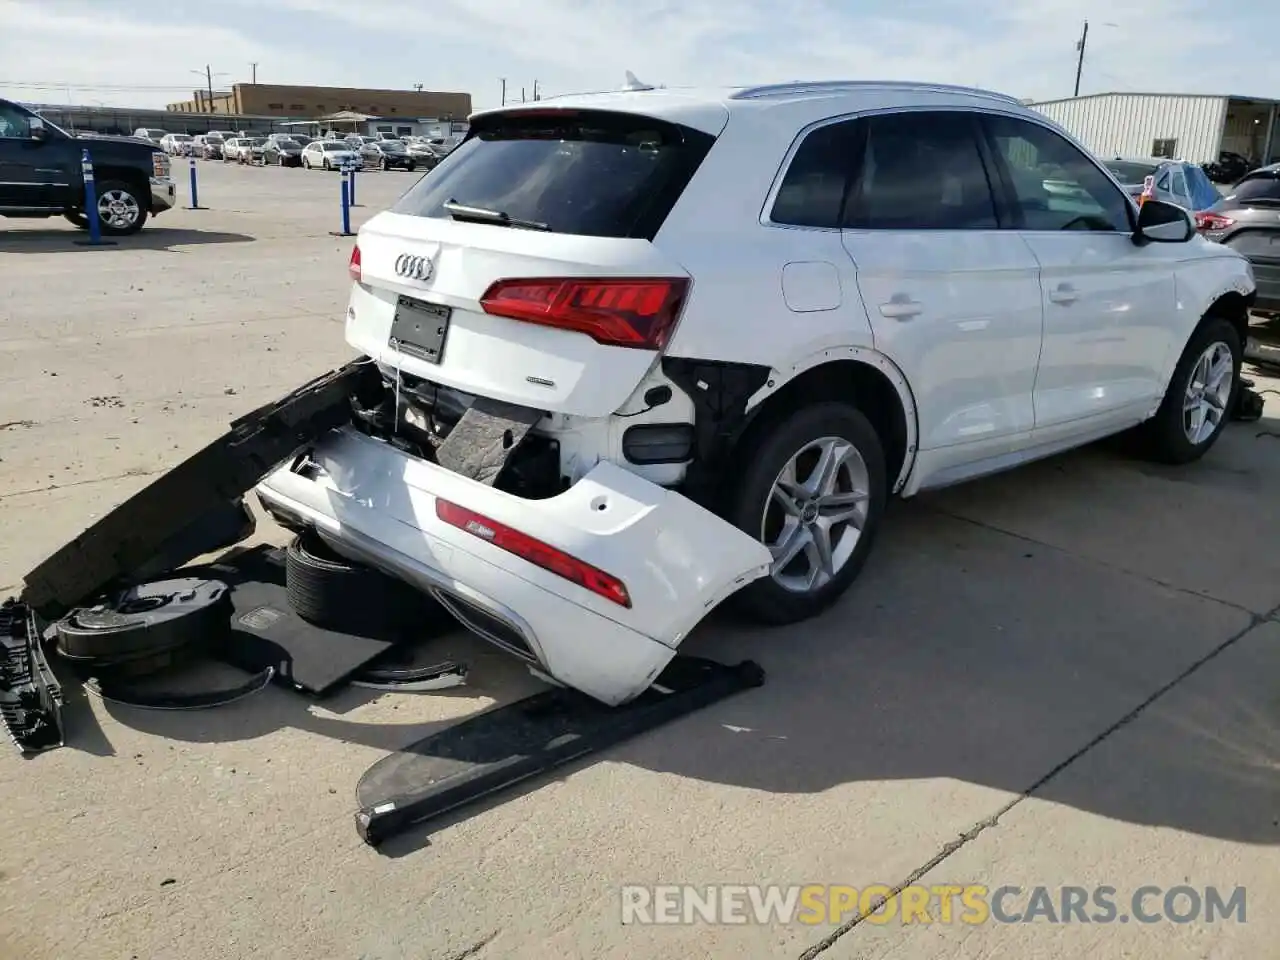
719,391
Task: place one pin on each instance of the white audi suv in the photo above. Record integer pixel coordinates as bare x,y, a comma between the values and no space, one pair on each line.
647,351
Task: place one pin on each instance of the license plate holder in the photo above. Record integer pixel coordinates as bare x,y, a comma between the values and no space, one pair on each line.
419,329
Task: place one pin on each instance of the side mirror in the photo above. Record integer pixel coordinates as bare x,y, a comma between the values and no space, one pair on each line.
1161,222
36,129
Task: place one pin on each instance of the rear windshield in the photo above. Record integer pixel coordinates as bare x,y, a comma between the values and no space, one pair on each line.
1257,188
588,173
1128,172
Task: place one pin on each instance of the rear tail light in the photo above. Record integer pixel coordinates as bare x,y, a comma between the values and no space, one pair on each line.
1212,221
536,552
619,312
353,267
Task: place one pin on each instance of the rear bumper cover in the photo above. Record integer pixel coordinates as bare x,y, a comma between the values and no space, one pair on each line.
376,504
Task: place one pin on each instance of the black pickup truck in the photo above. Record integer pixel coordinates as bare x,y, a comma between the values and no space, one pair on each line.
40,174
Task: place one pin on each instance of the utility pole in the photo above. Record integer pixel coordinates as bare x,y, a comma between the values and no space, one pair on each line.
522,94
208,75
535,90
504,90
1084,38
254,67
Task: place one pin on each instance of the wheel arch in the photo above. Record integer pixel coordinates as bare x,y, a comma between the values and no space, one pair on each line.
1232,306
862,377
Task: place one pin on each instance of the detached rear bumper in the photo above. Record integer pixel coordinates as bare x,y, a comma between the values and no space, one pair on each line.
678,561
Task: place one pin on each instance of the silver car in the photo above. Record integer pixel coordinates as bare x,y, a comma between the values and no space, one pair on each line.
1173,181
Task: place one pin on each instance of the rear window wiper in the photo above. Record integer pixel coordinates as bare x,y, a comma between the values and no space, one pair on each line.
462,211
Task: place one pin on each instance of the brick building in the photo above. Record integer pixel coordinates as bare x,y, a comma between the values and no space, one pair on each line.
275,100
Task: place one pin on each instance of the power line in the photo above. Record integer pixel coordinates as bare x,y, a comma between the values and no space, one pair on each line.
101,87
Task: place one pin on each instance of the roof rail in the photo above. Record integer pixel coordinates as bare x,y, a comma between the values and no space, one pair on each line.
839,86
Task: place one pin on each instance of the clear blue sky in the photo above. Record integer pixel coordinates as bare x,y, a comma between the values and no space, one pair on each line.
143,53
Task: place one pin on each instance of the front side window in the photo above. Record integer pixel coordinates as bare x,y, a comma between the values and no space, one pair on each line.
15,123
922,171
1054,185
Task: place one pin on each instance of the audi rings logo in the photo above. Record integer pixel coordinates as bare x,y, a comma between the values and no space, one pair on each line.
413,268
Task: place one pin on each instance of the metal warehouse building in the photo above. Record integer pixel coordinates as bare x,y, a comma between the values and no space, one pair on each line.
1191,127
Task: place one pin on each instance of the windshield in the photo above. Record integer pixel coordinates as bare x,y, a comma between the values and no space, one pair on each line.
591,173
181,137
257,143
336,147
392,146
288,144
213,138
1129,171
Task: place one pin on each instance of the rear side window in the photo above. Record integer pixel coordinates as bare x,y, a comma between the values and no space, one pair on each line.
923,171
813,191
1257,188
590,173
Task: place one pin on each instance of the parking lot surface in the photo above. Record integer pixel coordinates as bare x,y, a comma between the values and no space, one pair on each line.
1066,675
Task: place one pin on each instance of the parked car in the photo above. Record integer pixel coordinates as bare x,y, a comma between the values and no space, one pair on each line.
231,149
1229,168
42,176
422,154
1248,221
176,144
330,155
282,153
251,150
211,145
719,331
387,155
152,134
1174,181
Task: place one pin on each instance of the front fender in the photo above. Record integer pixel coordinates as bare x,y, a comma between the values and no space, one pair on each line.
1198,285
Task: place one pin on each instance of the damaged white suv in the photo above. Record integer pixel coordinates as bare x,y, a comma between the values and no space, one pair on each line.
643,351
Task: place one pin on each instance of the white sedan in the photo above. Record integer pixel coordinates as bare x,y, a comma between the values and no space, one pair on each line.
330,155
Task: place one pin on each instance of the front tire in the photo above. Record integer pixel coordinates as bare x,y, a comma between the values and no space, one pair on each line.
813,489
1200,396
121,209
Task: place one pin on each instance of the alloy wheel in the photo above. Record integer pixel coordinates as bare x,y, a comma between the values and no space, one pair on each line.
118,209
1208,392
815,514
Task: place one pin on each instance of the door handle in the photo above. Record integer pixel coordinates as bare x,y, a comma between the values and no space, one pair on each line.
900,307
1065,294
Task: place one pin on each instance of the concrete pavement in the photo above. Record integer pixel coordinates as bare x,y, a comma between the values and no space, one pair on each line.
1067,675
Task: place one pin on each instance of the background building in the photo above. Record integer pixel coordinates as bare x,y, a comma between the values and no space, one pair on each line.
274,100
1187,126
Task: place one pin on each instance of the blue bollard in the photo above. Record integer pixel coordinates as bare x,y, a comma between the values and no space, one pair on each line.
352,188
195,193
346,209
91,205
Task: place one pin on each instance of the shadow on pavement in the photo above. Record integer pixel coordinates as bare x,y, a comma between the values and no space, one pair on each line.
984,655
52,240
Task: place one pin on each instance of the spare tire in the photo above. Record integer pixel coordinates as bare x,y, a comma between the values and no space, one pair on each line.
331,591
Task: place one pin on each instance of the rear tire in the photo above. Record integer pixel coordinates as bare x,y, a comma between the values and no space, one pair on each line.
1201,395
825,524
